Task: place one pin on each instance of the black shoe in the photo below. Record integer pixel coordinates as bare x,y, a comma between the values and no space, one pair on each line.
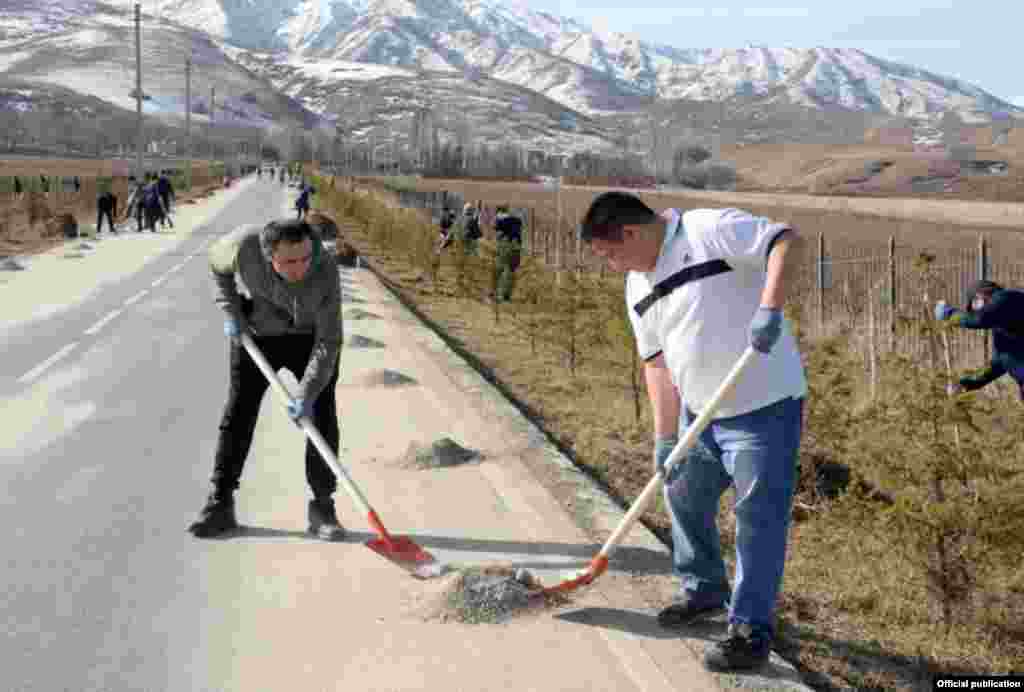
216,518
323,522
686,610
744,649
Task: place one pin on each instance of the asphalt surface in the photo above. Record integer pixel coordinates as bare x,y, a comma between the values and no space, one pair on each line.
101,457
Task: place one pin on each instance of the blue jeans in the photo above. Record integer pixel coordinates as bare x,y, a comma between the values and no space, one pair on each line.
756,452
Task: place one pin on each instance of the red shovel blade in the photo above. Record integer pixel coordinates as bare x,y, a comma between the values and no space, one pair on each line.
402,551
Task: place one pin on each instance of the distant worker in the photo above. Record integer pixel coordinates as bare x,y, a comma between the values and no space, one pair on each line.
167,195
134,205
302,203
152,205
471,232
990,306
508,233
106,208
446,222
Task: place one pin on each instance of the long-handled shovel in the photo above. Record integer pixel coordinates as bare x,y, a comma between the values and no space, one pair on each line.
399,549
599,564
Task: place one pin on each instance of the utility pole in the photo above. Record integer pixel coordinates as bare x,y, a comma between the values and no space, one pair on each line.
210,127
139,144
188,123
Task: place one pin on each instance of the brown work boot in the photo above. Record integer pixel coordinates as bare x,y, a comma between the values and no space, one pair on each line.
323,522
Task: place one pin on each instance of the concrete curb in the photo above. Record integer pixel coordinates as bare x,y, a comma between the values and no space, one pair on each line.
595,510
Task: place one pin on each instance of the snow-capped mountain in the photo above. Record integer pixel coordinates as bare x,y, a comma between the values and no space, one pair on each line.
508,73
570,62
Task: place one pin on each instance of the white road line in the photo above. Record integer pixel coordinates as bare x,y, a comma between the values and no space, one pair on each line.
135,298
159,281
99,325
176,267
39,369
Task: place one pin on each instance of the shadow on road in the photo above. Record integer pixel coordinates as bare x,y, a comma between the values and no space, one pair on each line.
636,561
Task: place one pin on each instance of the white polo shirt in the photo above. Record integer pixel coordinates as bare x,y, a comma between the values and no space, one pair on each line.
697,304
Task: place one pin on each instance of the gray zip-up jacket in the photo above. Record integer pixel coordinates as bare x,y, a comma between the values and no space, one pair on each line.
240,262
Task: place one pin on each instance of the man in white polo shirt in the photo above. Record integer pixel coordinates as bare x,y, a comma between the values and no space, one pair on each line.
702,286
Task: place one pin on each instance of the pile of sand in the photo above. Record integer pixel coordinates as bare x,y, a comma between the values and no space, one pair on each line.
490,594
443,453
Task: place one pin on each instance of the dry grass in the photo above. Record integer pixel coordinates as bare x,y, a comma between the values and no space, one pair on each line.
853,616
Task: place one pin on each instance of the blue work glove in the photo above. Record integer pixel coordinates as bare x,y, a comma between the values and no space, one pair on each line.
765,328
943,311
300,408
663,447
232,328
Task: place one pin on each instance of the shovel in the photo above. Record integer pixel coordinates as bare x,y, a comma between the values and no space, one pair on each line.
599,564
400,550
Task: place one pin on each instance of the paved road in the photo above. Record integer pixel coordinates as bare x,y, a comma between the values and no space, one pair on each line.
99,458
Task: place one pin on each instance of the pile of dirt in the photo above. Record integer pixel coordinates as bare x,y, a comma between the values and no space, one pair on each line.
360,314
360,341
10,264
383,378
443,453
490,594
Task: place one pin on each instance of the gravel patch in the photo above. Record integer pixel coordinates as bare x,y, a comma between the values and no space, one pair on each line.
489,594
443,453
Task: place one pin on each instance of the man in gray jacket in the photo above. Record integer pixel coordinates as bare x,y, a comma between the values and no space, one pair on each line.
293,312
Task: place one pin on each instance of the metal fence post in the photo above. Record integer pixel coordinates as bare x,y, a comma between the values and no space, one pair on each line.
892,293
983,275
821,282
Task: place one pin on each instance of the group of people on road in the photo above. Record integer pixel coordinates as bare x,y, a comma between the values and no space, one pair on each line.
702,286
149,201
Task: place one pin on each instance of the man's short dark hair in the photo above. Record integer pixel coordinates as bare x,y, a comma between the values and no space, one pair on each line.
610,211
292,230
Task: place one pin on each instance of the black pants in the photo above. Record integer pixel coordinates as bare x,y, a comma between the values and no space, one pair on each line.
238,423
100,215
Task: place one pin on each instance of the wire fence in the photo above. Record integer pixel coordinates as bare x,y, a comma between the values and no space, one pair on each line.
865,289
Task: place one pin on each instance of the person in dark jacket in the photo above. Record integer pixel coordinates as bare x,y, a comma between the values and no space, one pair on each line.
152,205
167,195
293,312
446,223
508,232
106,206
134,206
990,306
302,203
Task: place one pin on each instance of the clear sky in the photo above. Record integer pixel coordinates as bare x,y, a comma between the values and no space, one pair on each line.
973,41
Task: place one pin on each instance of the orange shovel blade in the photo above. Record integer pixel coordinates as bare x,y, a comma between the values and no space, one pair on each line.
597,567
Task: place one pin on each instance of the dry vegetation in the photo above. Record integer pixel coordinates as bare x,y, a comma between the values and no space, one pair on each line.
904,557
32,222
